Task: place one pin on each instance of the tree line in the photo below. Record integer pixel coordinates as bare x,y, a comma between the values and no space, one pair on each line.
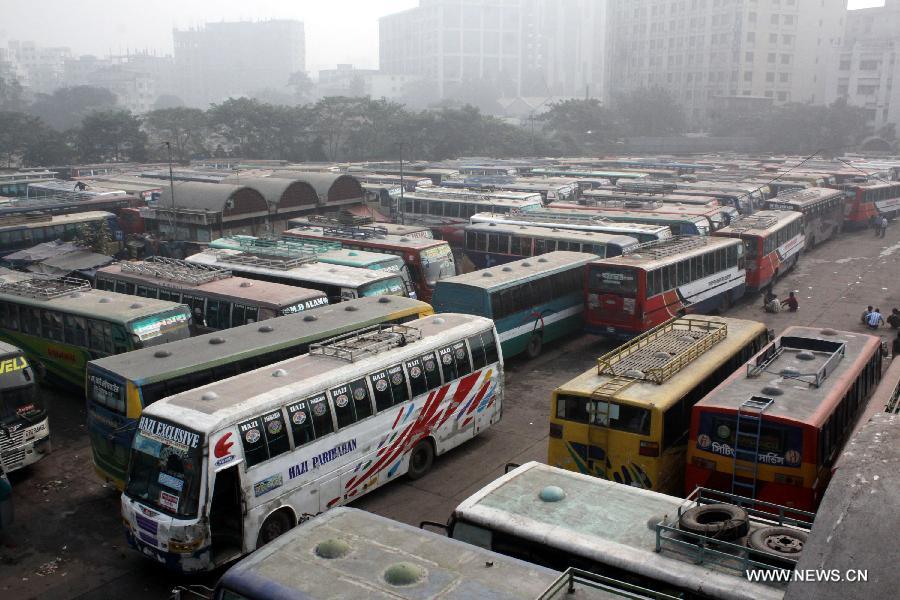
83,124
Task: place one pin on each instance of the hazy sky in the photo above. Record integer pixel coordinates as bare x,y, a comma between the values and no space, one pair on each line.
337,31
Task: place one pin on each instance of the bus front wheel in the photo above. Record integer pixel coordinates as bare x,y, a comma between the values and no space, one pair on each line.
535,344
420,459
275,525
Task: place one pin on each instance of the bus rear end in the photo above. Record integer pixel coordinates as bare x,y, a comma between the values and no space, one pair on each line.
615,300
110,429
784,471
24,425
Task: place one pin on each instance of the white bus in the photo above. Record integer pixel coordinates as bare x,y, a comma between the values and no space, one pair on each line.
339,282
220,470
561,519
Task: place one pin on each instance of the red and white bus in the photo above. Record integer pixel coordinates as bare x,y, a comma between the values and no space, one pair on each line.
627,295
822,208
773,240
773,430
428,260
865,201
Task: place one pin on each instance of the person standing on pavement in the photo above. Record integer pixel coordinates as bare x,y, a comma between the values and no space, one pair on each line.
883,225
894,319
875,320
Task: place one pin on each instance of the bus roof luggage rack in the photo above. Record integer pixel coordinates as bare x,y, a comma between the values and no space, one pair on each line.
747,222
365,342
605,201
447,195
663,351
355,232
344,217
670,246
561,218
656,187
286,248
173,269
573,579
29,217
267,262
45,288
736,556
808,347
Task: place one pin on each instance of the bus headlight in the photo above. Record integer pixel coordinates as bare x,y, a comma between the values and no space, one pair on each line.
649,448
593,301
180,547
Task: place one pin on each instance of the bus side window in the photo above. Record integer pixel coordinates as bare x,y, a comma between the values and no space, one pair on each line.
490,347
432,374
53,327
572,408
253,441
448,364
417,383
75,330
276,434
381,387
323,424
463,366
343,407
30,319
361,399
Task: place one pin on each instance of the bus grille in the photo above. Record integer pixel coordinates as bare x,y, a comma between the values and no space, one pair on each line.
12,448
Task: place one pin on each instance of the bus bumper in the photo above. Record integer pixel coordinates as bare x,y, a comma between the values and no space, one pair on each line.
194,562
610,331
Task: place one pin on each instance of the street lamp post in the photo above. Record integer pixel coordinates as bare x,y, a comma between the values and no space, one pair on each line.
168,146
400,206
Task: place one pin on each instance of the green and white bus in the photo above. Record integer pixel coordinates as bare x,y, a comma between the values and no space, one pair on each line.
62,323
119,387
533,301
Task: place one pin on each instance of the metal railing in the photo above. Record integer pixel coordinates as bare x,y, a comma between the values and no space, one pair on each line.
44,288
835,350
670,246
572,579
353,346
747,222
276,263
173,269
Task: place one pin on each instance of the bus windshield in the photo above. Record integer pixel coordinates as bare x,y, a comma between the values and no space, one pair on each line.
19,401
161,328
614,280
437,263
388,287
165,471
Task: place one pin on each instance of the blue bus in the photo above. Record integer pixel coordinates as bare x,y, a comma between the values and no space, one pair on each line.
532,301
489,244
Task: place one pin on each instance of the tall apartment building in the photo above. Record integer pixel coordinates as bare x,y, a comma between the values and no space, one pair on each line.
865,67
41,68
706,50
526,47
221,60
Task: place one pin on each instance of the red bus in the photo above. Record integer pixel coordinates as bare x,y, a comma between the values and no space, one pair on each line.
864,201
822,208
773,430
773,240
428,260
627,295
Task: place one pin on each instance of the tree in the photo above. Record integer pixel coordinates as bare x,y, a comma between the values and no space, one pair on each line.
111,135
167,101
649,112
184,127
97,238
12,96
67,107
580,123
15,128
302,85
47,146
804,128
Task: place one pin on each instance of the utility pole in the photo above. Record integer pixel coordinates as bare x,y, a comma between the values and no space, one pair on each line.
400,207
171,191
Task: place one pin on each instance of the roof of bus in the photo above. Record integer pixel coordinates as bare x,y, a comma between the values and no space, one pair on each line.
503,275
218,404
669,197
759,223
647,393
358,258
690,246
97,304
667,207
584,217
378,241
787,379
805,196
81,217
607,522
451,569
603,174
184,356
401,230
554,233
858,519
264,293
7,349
532,183
476,198
453,192
656,215
312,271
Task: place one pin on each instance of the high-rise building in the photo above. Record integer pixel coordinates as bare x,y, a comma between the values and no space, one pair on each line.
865,67
521,47
706,50
41,68
221,60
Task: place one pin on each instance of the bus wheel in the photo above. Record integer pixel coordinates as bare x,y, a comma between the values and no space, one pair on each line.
533,350
783,542
277,523
420,459
723,521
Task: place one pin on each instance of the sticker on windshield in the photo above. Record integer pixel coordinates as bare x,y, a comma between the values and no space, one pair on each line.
170,482
252,436
167,500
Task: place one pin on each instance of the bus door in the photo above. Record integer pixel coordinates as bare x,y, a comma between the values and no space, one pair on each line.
226,514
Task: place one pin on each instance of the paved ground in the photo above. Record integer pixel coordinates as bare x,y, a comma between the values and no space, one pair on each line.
67,541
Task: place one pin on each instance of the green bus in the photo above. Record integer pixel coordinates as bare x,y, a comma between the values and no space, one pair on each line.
532,301
119,387
61,324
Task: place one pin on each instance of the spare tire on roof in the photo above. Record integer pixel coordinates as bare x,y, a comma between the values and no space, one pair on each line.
725,522
783,542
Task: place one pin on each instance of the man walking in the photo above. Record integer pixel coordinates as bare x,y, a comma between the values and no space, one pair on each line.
882,225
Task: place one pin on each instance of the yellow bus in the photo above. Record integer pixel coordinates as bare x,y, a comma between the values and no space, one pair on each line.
627,420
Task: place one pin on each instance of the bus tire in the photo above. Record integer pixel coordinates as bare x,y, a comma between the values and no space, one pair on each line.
275,524
783,542
535,344
724,522
420,459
